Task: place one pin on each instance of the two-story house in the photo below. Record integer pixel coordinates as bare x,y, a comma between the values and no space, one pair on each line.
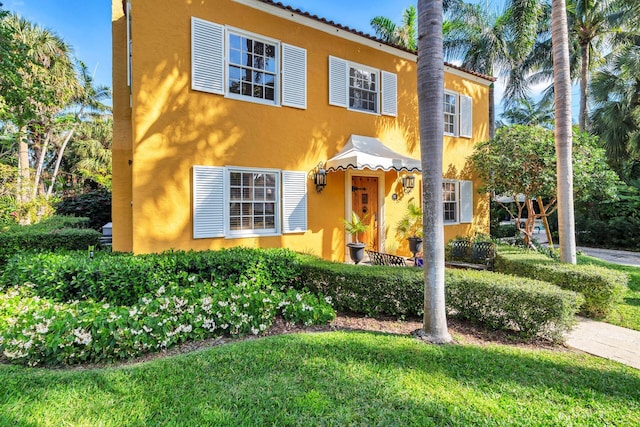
249,123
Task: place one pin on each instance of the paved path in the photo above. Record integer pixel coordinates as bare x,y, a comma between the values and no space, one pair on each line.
608,341
614,256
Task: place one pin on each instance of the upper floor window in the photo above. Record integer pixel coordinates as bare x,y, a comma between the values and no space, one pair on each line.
252,69
363,89
241,65
450,113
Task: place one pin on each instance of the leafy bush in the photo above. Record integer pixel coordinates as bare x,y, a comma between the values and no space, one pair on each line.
31,238
39,331
502,231
601,287
530,307
122,278
95,205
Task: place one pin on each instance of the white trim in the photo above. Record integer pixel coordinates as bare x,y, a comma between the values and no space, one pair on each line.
465,116
229,30
348,207
457,193
293,79
466,75
235,234
466,202
294,202
388,93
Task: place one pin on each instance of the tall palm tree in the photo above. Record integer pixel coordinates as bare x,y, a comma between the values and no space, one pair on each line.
431,108
47,81
402,35
563,135
593,26
525,111
492,43
615,118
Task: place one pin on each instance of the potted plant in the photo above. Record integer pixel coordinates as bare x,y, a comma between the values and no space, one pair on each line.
410,227
354,227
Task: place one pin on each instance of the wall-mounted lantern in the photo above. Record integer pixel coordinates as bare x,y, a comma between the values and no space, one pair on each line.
408,182
320,177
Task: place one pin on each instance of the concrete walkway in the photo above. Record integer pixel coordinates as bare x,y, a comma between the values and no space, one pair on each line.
613,256
608,341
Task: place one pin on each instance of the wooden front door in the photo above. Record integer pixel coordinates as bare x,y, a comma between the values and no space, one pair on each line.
364,202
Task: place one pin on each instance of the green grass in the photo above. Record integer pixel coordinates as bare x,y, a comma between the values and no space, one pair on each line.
339,379
627,312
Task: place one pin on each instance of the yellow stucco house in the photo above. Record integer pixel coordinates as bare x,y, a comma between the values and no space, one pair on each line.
227,114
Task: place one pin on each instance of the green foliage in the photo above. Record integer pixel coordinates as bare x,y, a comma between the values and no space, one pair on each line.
601,287
39,331
122,279
499,301
411,223
53,234
355,225
502,231
95,205
530,307
60,309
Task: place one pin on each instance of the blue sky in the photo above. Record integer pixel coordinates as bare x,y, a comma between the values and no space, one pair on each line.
86,24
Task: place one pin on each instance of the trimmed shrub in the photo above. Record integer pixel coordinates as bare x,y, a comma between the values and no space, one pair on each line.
531,307
600,286
27,238
95,205
499,301
122,278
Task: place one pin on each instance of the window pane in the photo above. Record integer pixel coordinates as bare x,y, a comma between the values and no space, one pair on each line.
246,89
234,209
234,41
247,44
235,57
235,193
269,94
234,86
258,48
258,194
235,73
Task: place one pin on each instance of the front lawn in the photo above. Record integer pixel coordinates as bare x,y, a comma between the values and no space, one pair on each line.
339,379
626,313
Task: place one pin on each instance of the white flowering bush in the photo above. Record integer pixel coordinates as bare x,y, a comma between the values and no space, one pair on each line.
41,331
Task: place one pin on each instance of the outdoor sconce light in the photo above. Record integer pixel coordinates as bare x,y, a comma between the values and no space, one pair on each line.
320,177
408,182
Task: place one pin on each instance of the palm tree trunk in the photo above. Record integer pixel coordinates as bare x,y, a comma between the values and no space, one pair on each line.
563,136
584,81
40,166
431,108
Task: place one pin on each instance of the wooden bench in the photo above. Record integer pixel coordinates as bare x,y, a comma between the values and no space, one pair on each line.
380,258
471,255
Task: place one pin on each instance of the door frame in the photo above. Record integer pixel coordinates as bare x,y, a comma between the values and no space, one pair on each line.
350,173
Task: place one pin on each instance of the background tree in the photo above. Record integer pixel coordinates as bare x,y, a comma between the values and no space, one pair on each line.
492,43
616,113
404,35
521,162
431,108
526,112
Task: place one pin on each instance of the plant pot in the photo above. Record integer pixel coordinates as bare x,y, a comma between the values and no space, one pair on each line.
356,252
415,245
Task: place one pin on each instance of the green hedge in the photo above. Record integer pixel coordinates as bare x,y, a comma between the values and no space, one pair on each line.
530,307
600,286
123,278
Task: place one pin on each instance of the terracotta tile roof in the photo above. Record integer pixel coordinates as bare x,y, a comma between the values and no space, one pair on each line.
365,35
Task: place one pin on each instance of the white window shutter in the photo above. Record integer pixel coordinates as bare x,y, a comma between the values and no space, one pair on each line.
466,201
389,94
294,202
338,83
207,56
466,116
294,76
208,201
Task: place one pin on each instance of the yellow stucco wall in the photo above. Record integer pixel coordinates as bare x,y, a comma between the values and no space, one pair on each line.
170,128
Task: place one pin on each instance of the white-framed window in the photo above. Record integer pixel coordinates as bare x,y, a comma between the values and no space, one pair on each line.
450,113
450,201
253,201
251,67
236,202
457,201
362,88
457,114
